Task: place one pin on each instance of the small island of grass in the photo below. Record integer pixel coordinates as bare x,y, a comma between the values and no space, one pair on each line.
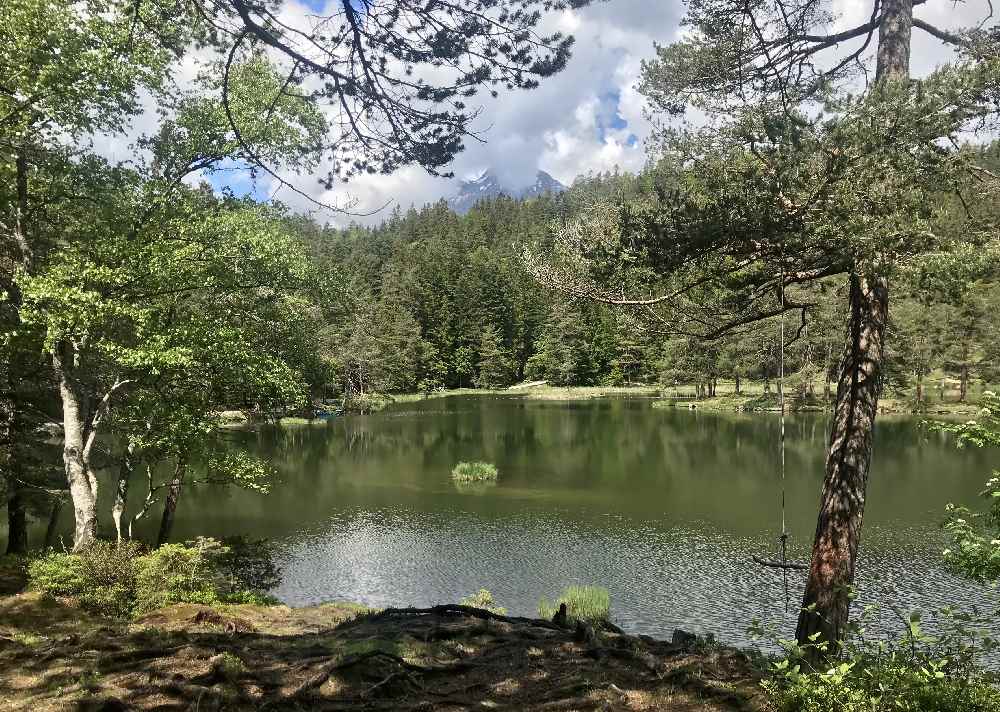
474,472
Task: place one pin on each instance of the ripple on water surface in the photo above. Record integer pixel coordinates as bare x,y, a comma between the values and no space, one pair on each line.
660,577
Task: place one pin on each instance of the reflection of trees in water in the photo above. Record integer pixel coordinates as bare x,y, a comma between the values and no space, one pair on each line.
614,457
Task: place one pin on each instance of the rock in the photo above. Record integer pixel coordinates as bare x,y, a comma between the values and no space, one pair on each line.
560,618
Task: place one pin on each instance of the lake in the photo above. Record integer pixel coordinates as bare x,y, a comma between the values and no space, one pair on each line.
663,507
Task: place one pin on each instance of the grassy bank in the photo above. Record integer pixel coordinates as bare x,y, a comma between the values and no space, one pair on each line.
752,398
342,656
750,402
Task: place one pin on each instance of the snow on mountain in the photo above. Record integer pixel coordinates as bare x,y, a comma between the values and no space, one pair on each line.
488,186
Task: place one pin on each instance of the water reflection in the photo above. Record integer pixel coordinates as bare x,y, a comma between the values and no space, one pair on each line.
664,507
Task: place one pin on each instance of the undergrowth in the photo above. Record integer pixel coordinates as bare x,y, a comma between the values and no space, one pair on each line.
122,580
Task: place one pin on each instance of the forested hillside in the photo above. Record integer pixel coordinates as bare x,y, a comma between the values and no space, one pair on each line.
432,299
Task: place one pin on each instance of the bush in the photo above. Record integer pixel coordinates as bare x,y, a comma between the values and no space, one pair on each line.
176,573
474,472
483,599
121,581
591,604
915,672
57,574
109,572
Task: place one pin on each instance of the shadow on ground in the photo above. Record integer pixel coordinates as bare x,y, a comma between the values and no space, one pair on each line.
341,657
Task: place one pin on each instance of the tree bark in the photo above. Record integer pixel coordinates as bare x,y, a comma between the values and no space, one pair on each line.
79,475
920,386
17,522
121,491
963,384
53,525
826,602
737,383
170,504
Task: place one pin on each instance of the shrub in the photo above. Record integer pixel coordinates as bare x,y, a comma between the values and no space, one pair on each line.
483,599
176,573
914,672
591,604
109,571
57,574
474,472
102,578
121,581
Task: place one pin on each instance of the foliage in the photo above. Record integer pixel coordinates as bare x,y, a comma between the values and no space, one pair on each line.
176,573
474,472
122,581
913,672
483,599
975,548
591,604
57,573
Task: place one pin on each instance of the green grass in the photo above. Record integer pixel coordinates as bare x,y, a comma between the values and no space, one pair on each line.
586,603
474,472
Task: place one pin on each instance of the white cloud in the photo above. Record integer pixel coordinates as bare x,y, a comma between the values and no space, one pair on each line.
557,127
573,123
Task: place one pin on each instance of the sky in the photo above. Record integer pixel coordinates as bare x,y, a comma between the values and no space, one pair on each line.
589,118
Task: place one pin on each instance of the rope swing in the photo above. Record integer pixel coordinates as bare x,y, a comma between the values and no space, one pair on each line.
784,564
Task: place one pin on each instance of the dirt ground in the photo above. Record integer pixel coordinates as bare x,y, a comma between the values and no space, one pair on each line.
343,657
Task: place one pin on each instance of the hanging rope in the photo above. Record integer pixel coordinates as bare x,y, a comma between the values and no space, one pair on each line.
784,564
781,404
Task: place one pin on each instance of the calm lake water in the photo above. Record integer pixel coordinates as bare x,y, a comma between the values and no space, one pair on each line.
663,507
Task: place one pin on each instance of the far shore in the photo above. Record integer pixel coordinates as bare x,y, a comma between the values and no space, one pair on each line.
752,399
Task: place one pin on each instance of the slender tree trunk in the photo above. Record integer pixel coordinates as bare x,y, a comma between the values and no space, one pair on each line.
121,491
737,383
79,475
17,522
920,386
963,384
170,504
826,603
53,526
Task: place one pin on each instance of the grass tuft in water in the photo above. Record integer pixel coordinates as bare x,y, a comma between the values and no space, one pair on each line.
474,472
587,603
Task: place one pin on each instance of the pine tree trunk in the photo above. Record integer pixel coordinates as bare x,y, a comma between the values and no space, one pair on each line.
826,602
963,386
920,387
17,522
170,505
53,525
737,383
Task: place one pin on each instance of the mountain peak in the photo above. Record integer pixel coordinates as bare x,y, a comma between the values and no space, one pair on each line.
488,186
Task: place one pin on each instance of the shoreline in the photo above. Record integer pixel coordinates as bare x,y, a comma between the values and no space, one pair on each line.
751,401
